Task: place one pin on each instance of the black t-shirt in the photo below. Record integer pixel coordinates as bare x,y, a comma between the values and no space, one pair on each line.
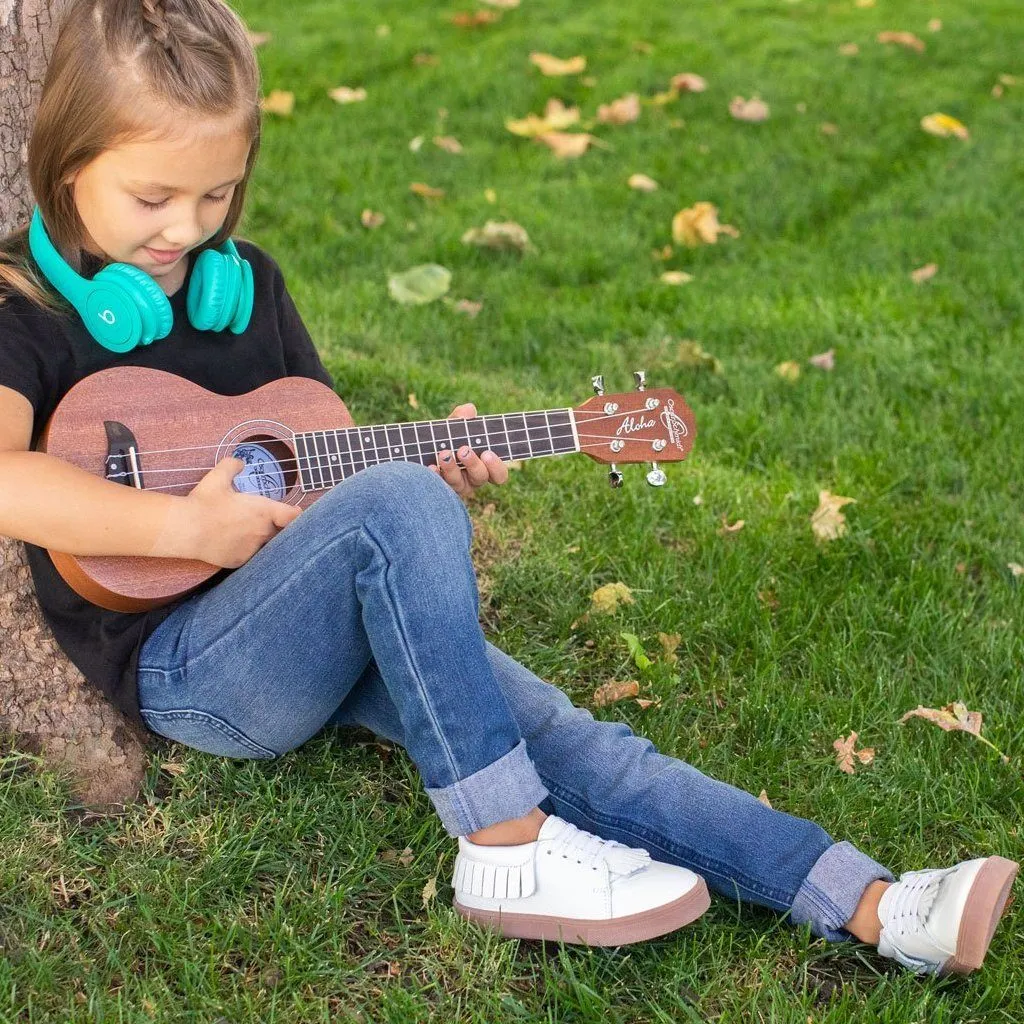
43,354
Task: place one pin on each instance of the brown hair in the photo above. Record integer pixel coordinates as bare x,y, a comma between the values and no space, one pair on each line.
118,68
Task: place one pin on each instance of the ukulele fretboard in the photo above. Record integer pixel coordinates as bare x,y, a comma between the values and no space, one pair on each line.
326,457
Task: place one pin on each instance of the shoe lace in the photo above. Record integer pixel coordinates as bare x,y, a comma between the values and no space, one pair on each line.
587,849
912,902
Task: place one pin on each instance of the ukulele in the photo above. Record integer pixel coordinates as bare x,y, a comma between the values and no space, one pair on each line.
151,429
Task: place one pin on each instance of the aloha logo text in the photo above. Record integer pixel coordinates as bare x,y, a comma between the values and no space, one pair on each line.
630,425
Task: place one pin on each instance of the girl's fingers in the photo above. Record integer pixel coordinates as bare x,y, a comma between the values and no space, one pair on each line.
497,471
476,471
451,472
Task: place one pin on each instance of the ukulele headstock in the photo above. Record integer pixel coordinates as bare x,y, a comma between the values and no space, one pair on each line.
646,425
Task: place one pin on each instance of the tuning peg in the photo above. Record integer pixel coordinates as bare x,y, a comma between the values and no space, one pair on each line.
656,477
614,476
598,383
640,376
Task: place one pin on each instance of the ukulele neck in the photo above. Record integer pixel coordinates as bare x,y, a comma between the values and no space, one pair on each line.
326,457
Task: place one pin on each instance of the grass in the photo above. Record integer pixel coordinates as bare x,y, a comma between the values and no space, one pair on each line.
243,891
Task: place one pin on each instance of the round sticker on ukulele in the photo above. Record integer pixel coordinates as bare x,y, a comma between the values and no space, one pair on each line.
261,474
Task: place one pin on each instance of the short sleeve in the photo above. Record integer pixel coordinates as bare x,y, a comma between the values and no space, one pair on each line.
24,340
301,356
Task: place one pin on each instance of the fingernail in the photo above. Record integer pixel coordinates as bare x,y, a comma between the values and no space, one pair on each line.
447,457
463,452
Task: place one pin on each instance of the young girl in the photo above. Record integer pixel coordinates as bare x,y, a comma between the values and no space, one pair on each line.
363,609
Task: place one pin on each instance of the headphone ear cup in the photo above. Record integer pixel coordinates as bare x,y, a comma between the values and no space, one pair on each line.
245,300
125,307
213,291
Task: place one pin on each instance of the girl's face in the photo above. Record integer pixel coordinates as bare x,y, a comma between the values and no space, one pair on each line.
150,203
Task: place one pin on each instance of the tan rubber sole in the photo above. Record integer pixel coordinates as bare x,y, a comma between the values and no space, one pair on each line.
621,931
984,908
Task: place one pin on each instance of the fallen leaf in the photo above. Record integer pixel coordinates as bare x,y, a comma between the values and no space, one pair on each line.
470,308
801,108
688,82
646,703
699,223
1015,568
173,768
474,19
501,235
420,284
955,717
789,370
343,94
660,99
414,402
752,110
429,891
828,128
943,125
416,144
845,753
589,81
557,116
935,25
490,195
637,652
669,642
726,529
676,277
924,273
698,499
763,797
691,353
555,67
278,102
664,253
426,191
864,3
568,145
997,90
613,691
907,39
827,522
448,143
606,599
425,60
642,183
769,599
824,360
624,110
258,38
405,858
370,219
849,49
504,5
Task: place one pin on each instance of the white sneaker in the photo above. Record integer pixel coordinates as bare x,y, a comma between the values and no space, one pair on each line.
572,886
941,922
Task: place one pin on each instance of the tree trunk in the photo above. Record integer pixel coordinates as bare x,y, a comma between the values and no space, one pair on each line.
46,707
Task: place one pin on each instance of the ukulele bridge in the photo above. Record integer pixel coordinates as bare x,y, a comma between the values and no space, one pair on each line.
122,464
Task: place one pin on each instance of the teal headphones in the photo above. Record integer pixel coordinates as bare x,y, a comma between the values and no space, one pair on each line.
123,307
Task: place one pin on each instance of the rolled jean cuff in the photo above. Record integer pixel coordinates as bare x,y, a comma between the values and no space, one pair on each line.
507,788
831,891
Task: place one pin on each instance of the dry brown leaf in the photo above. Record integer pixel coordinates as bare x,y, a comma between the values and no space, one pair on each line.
370,219
624,110
414,402
569,145
753,110
504,5
502,235
828,128
258,38
849,49
951,718
669,642
827,522
613,691
607,599
405,858
490,195
554,67
699,224
725,529
343,94
474,19
429,891
935,25
944,126
925,273
646,702
469,307
692,353
448,143
763,797
642,183
688,82
279,102
907,39
1016,569
664,253
675,277
419,188
556,117
845,753
425,60
789,370
824,360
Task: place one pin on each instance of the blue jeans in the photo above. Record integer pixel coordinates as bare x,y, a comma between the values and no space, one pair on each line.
364,611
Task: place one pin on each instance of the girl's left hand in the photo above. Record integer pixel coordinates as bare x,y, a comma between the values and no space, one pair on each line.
470,470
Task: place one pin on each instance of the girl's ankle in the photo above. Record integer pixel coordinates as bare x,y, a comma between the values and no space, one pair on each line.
514,832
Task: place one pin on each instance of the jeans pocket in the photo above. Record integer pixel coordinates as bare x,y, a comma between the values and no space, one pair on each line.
205,732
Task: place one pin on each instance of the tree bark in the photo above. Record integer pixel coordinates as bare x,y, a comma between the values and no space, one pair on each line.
46,706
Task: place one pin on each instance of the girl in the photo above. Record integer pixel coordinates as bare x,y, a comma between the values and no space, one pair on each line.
569,828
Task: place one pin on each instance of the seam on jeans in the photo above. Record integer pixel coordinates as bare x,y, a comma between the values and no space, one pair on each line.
829,911
658,841
218,724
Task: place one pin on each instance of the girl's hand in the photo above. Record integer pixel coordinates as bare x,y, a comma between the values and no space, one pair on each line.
471,470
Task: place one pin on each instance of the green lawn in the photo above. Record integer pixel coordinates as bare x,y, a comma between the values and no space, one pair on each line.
257,891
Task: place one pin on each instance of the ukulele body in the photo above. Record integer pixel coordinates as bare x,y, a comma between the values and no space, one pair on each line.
162,411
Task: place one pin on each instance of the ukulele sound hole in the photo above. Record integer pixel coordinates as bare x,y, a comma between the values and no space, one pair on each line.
264,472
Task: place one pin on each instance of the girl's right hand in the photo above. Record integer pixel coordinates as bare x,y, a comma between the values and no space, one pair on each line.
225,527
